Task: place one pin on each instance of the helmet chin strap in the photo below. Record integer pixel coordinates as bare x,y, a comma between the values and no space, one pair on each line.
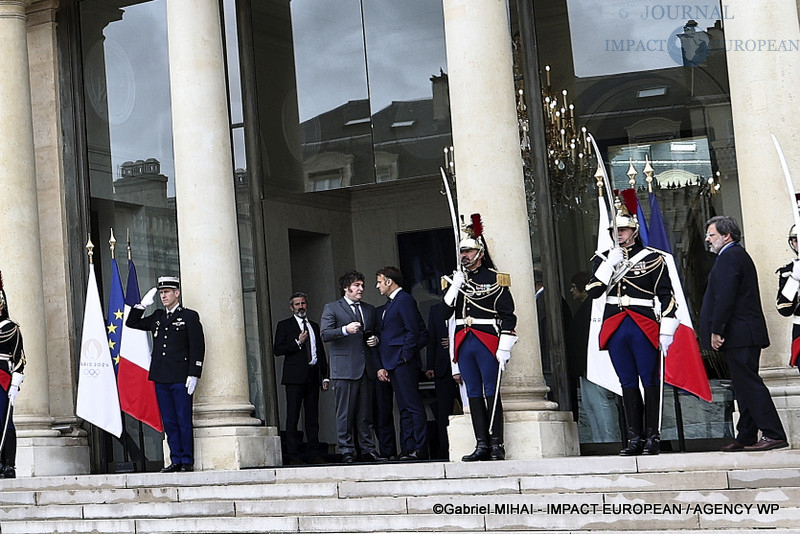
631,240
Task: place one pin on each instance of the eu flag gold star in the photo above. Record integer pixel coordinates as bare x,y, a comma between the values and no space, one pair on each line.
118,314
112,328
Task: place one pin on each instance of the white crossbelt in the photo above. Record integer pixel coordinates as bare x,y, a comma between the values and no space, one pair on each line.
626,301
796,319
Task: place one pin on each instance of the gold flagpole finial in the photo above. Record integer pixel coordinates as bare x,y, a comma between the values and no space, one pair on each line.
90,248
111,243
632,172
648,172
598,176
128,237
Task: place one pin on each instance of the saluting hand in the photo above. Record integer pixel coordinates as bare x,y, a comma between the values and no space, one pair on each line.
149,297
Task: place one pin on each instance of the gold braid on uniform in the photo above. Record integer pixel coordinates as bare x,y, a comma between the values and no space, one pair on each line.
647,268
8,336
471,289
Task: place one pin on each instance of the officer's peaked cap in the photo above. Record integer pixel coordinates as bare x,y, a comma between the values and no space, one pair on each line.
169,282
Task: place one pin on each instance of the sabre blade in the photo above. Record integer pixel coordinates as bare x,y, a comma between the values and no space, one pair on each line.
789,182
612,210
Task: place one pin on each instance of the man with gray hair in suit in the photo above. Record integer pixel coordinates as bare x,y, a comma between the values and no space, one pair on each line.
349,325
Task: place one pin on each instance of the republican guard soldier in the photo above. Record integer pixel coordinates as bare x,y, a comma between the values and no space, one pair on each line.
639,317
788,302
484,334
12,365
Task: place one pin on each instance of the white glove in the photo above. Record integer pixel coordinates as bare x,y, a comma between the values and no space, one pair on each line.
458,278
615,256
191,383
796,269
452,292
665,340
149,297
504,349
13,390
502,357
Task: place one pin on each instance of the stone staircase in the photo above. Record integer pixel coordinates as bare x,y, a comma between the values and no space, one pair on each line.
691,492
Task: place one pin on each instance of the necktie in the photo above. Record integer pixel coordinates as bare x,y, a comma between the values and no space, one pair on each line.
169,316
307,344
357,308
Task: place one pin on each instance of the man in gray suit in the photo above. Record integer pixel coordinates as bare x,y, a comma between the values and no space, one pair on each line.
349,326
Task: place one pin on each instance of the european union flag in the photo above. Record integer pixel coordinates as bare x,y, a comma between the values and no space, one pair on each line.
116,312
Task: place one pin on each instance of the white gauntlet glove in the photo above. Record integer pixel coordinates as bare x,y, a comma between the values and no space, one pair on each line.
13,390
191,384
606,269
149,297
452,292
666,332
504,349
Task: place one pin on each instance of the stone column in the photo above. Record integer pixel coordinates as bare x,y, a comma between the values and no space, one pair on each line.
40,450
765,89
226,434
488,161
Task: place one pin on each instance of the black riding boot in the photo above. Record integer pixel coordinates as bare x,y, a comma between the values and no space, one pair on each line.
9,454
498,450
632,401
480,425
652,410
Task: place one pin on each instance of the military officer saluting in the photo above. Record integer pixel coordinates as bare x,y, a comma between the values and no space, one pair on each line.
176,365
788,302
12,364
484,335
639,317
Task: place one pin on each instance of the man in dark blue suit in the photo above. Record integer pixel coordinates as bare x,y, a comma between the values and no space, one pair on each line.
439,369
732,322
305,371
400,330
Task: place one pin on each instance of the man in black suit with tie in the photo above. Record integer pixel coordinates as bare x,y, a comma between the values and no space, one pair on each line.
400,329
305,371
176,363
349,325
439,369
732,322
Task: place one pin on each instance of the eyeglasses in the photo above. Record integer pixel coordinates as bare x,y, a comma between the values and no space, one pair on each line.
711,235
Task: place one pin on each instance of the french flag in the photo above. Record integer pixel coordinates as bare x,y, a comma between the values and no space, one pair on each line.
137,394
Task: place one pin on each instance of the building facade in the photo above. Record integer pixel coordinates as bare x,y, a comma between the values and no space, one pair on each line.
261,147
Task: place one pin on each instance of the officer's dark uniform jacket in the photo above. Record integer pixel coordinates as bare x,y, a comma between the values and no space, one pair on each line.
483,307
178,343
789,308
646,280
12,356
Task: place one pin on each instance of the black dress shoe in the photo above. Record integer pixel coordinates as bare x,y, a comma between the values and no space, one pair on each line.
172,468
413,456
348,458
187,468
767,444
373,457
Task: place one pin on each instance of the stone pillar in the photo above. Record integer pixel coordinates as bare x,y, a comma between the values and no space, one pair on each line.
765,89
40,449
226,434
487,155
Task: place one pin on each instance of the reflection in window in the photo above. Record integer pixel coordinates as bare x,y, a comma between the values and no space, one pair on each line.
371,105
131,171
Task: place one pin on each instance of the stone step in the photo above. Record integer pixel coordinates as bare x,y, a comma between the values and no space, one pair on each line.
736,492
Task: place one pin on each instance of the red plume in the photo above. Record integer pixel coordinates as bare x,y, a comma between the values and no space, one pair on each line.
630,200
477,225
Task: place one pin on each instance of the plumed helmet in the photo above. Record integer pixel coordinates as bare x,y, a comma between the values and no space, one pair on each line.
626,209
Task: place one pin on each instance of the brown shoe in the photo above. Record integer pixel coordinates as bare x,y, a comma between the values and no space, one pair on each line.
767,444
733,447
